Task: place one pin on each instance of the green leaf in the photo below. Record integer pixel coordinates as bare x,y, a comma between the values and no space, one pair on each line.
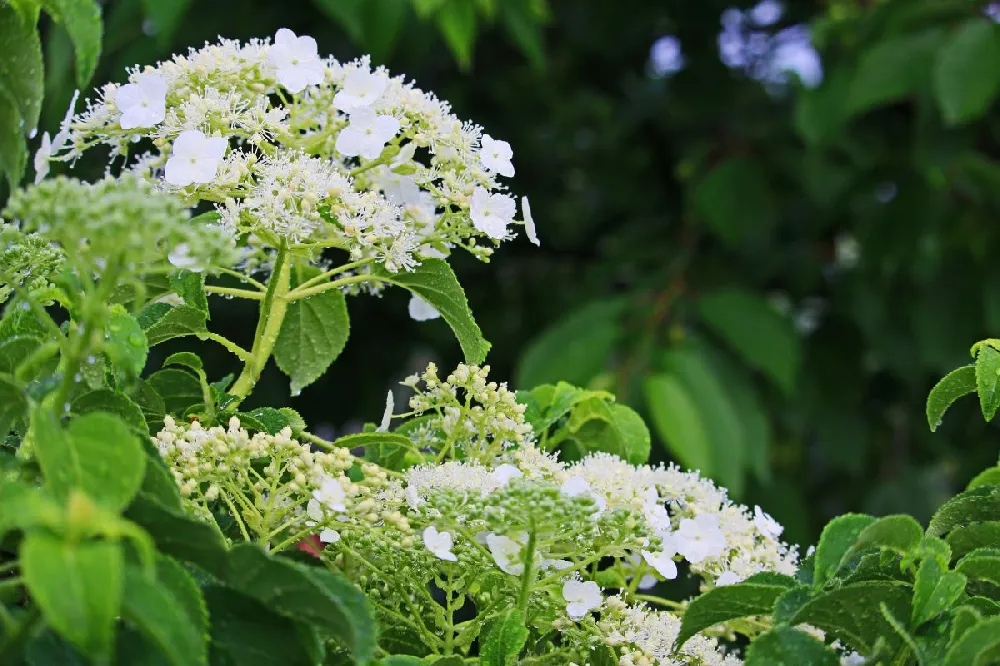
894,68
312,335
901,631
97,454
835,544
403,660
546,404
82,20
575,348
988,380
785,646
166,16
13,406
717,413
49,648
77,585
311,594
245,632
504,641
186,360
988,477
597,424
348,13
934,591
169,611
736,200
952,386
977,535
981,564
899,533
21,68
457,22
162,321
765,339
967,71
384,448
851,613
721,604
178,389
525,30
980,504
179,536
265,419
150,403
677,420
13,151
158,484
106,400
126,345
191,287
15,350
978,646
435,282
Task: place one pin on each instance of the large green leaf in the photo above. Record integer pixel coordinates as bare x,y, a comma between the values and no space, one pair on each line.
78,586
678,422
13,152
967,71
313,334
981,564
504,640
97,454
126,344
178,389
835,543
245,632
729,602
13,406
977,535
785,646
892,69
950,388
736,200
162,321
169,611
309,594
82,20
979,504
21,67
596,424
457,22
575,348
978,646
106,400
988,380
934,591
852,613
179,536
435,282
763,337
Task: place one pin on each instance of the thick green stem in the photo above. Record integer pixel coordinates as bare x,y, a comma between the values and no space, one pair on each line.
528,577
272,314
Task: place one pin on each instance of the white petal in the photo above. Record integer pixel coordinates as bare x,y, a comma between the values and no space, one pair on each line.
387,414
421,310
529,222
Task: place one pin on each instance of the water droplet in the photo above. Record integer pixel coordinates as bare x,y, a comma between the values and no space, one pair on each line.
91,359
296,394
77,377
135,339
25,306
66,407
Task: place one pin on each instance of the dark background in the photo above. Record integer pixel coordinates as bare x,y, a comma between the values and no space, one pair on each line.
796,263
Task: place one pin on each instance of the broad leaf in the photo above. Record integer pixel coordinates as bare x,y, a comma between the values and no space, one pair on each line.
967,71
179,390
82,20
729,602
435,282
78,586
981,564
312,335
978,646
126,345
678,422
836,541
977,505
736,200
13,406
106,400
852,614
21,68
977,535
785,646
504,640
988,377
162,321
894,68
245,632
934,591
952,386
181,537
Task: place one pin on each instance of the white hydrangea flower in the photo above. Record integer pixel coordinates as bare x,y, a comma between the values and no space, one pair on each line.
631,564
581,597
767,525
491,213
331,495
195,158
575,486
329,536
727,578
662,563
366,135
506,553
852,659
390,405
180,257
699,537
296,60
421,310
496,156
42,157
529,222
505,472
439,543
361,89
143,103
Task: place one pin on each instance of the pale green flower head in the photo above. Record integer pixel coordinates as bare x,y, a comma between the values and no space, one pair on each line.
27,261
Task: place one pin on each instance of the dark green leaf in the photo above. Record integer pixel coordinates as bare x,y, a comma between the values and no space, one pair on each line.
736,200
457,22
934,591
980,504
835,543
435,282
978,646
150,403
951,387
245,632
678,422
977,535
988,375
162,321
764,338
269,419
13,406
185,359
852,614
722,604
892,69
178,389
504,641
82,20
306,593
384,448
313,334
106,400
785,646
981,564
13,152
179,536
191,287
967,72
158,484
78,586
21,68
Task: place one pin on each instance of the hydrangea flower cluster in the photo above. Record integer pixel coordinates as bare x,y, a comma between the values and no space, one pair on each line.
296,149
489,518
27,261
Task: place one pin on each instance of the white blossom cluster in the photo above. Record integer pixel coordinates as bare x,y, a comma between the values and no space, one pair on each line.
294,148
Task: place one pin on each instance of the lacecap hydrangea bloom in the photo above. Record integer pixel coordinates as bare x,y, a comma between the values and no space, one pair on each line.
291,148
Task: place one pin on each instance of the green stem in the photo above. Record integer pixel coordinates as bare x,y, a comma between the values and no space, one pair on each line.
660,601
529,572
232,291
241,353
299,292
272,314
322,277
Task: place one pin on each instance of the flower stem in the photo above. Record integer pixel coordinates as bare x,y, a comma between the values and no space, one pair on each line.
529,571
272,314
231,291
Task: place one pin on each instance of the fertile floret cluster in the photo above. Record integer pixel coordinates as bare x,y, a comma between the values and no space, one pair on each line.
296,149
27,261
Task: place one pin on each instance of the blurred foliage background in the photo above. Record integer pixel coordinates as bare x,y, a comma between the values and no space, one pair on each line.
769,227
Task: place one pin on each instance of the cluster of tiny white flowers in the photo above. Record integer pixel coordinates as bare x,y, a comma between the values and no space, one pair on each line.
479,416
648,638
292,147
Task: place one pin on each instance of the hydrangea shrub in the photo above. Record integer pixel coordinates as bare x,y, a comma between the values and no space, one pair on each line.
147,517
